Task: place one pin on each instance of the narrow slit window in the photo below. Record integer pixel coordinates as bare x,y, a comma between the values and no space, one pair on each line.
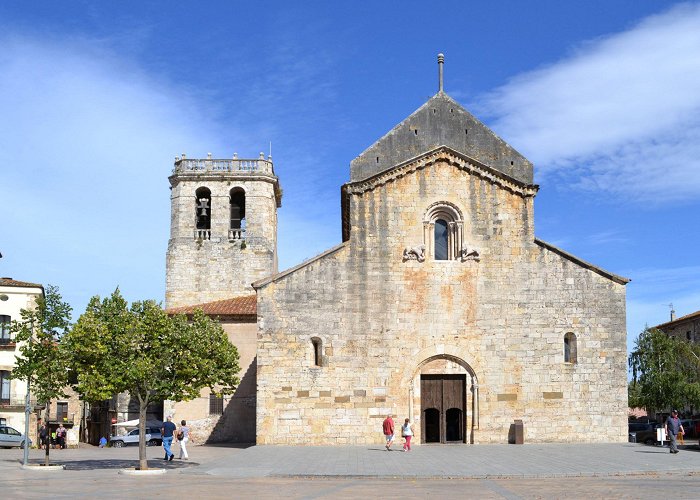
570,348
316,345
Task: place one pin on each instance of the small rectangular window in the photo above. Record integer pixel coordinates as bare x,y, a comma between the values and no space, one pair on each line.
216,404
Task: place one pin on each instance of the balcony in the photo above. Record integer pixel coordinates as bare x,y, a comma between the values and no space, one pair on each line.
209,165
202,234
7,344
236,234
15,401
62,418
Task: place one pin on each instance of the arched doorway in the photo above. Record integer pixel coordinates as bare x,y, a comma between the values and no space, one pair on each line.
444,390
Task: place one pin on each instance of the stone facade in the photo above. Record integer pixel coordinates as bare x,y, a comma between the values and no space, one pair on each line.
686,327
237,421
529,331
221,262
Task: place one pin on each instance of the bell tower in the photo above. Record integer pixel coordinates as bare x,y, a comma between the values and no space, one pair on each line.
223,228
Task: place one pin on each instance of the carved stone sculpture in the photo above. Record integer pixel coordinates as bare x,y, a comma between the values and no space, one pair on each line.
414,253
466,254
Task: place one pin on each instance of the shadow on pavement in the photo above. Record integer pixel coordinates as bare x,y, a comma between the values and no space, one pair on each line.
117,464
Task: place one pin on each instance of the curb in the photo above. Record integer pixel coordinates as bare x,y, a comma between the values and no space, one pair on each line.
46,468
137,472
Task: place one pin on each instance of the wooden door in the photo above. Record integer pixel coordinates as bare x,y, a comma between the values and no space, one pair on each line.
443,404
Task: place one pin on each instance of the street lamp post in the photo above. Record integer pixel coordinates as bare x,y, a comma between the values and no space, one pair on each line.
27,413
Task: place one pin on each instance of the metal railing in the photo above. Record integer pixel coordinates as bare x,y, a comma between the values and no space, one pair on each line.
260,165
61,418
16,400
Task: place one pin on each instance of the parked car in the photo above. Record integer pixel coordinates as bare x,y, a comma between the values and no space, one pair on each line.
11,437
153,438
691,428
643,432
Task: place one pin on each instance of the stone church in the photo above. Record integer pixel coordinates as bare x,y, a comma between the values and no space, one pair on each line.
439,305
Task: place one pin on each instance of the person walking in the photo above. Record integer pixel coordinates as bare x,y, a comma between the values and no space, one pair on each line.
43,436
407,433
167,431
388,429
61,436
673,427
182,437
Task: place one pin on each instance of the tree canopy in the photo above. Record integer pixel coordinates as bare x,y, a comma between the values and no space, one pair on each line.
141,349
665,372
42,361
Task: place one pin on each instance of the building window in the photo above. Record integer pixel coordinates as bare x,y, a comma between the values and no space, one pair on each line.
202,214
4,387
569,348
317,347
237,209
62,412
443,231
216,404
441,240
5,329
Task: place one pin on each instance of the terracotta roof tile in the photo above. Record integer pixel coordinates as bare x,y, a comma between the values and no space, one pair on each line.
11,282
237,306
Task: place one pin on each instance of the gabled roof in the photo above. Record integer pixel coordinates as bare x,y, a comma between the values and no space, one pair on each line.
440,154
582,263
22,284
441,121
682,319
245,306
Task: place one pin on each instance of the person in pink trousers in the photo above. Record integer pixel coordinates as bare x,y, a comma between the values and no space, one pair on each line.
407,433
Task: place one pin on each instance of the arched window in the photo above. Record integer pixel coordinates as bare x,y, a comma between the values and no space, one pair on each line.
5,329
237,209
4,387
202,214
443,231
317,346
569,348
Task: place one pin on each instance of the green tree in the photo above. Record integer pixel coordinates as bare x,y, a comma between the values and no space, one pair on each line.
140,349
43,363
664,371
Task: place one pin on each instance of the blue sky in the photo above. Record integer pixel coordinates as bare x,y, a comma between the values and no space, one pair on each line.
97,99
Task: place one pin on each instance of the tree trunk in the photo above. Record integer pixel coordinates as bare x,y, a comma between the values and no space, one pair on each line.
48,441
143,460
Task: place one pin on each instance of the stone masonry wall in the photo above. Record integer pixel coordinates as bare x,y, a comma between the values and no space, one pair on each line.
383,321
237,424
216,269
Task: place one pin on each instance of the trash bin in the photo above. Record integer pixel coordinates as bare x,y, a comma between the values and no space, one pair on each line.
633,437
519,432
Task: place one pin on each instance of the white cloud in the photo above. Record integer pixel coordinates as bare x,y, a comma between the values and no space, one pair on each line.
621,114
88,141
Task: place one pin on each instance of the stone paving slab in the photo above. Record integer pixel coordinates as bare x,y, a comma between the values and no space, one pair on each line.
483,461
438,462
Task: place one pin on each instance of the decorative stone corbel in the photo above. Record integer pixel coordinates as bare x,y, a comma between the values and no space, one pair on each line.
467,254
414,253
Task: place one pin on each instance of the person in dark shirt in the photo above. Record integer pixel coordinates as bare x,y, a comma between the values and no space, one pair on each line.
168,430
673,427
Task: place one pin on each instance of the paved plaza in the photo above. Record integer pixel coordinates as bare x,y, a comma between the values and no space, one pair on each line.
492,471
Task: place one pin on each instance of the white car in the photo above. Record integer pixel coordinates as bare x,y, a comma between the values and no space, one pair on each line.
11,437
153,438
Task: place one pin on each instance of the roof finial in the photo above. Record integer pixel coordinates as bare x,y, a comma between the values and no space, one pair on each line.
441,62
